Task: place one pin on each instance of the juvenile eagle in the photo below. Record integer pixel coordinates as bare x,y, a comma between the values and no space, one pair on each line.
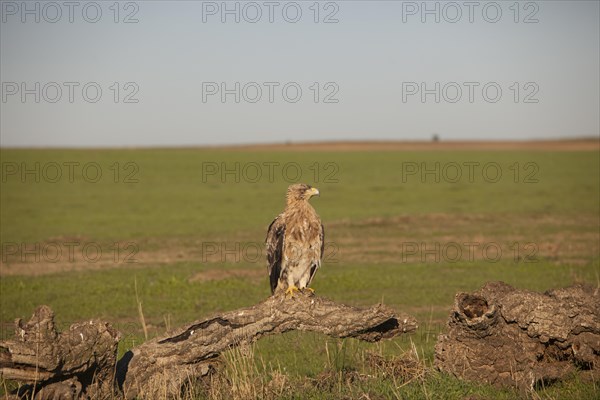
295,242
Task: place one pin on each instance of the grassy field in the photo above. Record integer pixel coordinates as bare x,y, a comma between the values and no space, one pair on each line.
82,229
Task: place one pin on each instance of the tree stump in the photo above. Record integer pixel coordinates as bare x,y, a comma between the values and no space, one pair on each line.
82,361
508,337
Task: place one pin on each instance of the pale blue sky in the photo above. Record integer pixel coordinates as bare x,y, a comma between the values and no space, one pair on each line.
370,57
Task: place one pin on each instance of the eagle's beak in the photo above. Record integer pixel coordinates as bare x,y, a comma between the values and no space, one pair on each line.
314,192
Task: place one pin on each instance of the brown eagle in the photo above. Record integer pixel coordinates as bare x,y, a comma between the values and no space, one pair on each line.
295,241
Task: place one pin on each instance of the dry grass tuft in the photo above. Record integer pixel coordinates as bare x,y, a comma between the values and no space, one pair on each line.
403,369
245,376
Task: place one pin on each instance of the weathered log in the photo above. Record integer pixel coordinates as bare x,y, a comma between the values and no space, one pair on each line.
63,365
162,366
81,362
509,337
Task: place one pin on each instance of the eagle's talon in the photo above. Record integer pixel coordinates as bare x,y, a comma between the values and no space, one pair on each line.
290,291
310,290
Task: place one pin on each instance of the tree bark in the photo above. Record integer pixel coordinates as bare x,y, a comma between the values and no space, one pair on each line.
509,337
69,365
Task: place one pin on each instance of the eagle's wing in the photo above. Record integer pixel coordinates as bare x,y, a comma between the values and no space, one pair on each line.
317,262
274,246
322,238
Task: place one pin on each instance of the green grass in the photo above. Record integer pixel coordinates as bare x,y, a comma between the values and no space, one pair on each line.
171,199
171,207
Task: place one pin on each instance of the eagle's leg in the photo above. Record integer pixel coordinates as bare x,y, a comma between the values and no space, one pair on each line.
290,291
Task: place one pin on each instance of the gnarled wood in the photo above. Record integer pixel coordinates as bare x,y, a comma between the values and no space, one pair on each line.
82,360
188,352
63,365
509,337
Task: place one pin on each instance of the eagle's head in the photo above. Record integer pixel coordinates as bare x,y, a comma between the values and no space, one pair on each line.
300,192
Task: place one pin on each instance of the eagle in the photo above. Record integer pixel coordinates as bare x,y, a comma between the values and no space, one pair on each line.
294,243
